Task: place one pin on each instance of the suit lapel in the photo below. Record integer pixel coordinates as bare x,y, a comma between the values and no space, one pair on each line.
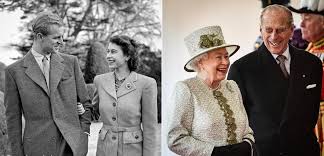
293,66
270,63
128,85
296,68
295,81
56,70
292,80
34,72
109,84
275,83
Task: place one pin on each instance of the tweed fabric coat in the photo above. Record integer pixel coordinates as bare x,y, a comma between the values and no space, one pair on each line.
49,114
198,123
129,115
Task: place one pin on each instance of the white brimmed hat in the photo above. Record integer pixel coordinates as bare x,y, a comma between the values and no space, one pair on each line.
310,6
204,40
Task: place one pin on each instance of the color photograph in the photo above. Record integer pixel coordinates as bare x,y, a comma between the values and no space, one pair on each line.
225,92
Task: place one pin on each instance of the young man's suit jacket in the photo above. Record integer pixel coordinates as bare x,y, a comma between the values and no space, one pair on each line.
49,114
282,112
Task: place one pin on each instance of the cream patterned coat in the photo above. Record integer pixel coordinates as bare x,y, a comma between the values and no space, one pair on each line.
198,124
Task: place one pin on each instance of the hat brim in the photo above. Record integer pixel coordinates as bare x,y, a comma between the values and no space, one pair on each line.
305,10
188,68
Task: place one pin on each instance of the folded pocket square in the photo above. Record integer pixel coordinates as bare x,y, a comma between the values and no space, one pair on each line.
310,86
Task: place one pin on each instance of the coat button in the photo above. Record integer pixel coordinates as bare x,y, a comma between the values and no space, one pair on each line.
114,118
114,104
136,136
114,137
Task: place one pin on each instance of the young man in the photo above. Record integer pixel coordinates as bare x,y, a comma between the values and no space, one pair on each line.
45,87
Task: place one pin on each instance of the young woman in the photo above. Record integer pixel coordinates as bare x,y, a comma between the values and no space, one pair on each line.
126,103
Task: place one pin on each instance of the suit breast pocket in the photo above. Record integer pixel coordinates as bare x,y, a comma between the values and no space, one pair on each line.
310,87
66,76
66,84
311,92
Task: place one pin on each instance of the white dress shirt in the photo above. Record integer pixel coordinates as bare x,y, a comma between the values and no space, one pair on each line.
39,57
288,59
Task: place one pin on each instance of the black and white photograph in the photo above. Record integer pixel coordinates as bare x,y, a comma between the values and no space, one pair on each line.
80,77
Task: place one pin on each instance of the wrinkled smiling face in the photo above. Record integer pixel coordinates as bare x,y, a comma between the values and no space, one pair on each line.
216,64
53,41
276,31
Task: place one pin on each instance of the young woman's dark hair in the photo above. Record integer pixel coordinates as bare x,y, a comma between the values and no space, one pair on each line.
129,48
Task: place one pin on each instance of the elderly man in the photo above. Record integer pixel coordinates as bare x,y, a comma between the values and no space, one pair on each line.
45,87
280,87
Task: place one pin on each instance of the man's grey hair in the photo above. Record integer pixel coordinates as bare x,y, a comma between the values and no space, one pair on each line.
277,7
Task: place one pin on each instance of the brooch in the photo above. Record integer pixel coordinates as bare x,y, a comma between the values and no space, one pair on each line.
210,40
129,86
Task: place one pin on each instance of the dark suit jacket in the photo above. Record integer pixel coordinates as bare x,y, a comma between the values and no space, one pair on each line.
282,113
49,114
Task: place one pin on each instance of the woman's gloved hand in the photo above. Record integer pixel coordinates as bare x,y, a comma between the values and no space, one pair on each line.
239,149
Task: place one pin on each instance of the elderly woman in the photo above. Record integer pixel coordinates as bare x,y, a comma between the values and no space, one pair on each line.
209,116
126,103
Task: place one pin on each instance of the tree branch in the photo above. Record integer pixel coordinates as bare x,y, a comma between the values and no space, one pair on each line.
79,25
